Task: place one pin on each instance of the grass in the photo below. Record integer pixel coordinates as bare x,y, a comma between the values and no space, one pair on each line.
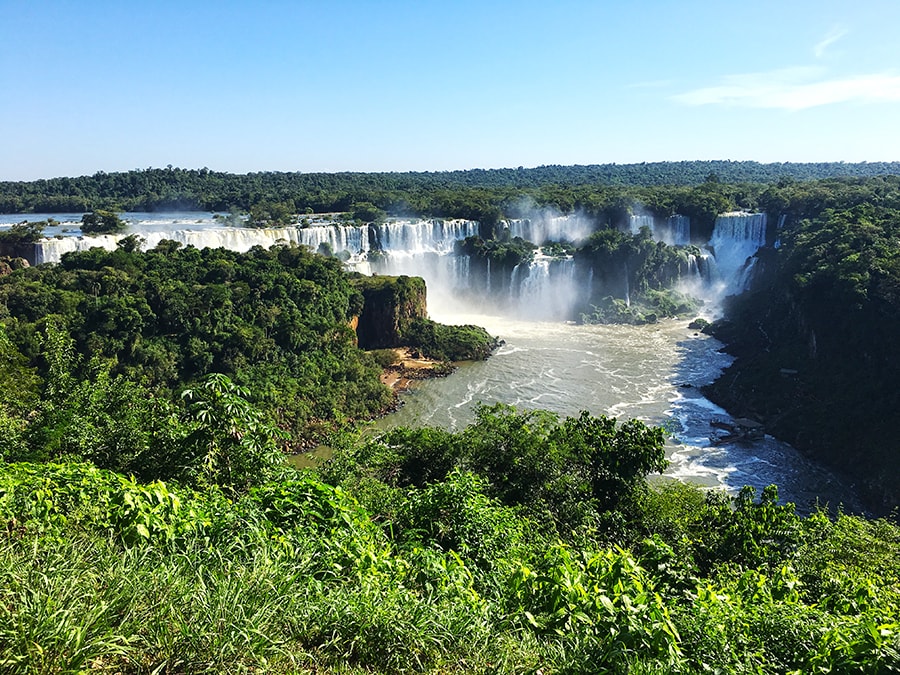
296,577
83,603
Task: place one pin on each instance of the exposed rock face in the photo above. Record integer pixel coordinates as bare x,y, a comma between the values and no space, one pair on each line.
391,303
820,375
8,264
21,250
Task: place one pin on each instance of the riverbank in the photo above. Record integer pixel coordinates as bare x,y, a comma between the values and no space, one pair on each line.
789,402
410,366
625,372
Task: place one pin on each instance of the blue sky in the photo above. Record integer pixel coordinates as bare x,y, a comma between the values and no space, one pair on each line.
347,85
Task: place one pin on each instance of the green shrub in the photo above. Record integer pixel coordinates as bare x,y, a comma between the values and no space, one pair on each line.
385,357
456,515
449,343
601,608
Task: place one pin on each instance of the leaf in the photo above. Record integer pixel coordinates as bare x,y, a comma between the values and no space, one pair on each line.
607,604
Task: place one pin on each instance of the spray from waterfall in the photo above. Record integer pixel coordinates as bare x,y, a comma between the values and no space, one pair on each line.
674,230
727,267
552,286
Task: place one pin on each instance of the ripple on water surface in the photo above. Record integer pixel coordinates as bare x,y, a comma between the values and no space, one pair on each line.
652,373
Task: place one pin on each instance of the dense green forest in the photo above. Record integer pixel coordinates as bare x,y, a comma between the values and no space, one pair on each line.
816,337
277,321
840,406
521,544
149,522
477,194
124,328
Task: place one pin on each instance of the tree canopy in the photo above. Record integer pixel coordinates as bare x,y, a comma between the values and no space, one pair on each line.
276,321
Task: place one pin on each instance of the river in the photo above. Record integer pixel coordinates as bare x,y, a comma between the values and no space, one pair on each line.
652,373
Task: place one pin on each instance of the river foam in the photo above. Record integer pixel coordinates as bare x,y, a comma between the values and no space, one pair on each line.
653,373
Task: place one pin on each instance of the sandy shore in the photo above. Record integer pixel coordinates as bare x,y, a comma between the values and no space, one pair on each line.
409,368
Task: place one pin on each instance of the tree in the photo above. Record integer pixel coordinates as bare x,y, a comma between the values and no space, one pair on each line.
131,243
102,222
272,214
231,444
23,233
563,474
366,212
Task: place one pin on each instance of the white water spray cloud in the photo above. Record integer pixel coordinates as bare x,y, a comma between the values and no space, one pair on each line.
794,89
538,224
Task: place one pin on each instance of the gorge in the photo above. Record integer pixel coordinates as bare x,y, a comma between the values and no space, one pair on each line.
150,398
523,279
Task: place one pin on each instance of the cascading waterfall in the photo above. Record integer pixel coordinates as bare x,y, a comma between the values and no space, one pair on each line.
423,236
339,238
544,288
52,250
674,230
694,269
781,220
636,222
627,286
515,282
412,247
461,266
735,240
679,230
532,291
350,238
542,228
405,237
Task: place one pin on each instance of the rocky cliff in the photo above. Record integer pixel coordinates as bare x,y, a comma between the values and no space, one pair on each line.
394,314
391,304
819,369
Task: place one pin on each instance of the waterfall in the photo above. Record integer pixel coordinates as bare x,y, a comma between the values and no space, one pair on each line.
460,266
573,228
351,238
627,287
534,287
515,282
423,236
679,230
674,230
340,238
691,269
636,222
546,288
735,240
781,220
52,250
404,237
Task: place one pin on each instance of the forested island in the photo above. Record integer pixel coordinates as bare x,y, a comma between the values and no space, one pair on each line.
150,522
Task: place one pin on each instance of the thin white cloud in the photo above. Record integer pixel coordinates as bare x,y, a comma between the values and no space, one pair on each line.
794,89
833,36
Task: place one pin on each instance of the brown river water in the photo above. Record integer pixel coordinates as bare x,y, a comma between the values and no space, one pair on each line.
652,373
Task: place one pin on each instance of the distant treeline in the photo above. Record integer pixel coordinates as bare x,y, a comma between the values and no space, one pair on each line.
478,193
